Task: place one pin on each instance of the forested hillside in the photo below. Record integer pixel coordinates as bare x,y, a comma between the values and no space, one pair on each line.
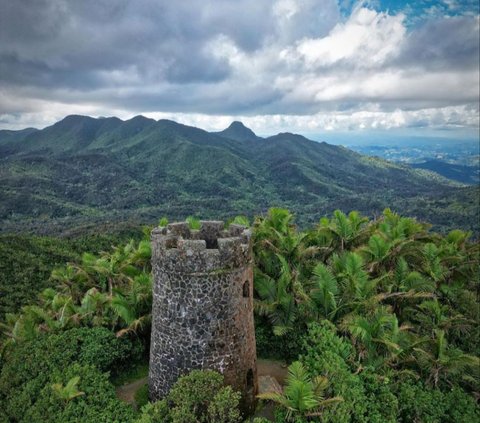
461,173
378,321
84,170
27,261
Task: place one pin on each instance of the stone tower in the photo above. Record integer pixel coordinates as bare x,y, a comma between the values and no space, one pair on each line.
202,315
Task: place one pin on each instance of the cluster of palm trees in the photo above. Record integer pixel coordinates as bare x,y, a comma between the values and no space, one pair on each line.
391,286
113,289
406,298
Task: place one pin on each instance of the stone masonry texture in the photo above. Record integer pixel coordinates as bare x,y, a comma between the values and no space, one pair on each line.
202,315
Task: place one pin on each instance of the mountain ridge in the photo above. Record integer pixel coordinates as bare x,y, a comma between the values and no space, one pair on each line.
83,169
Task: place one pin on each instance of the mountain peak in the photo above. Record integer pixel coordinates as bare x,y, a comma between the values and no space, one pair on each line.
237,124
74,119
239,132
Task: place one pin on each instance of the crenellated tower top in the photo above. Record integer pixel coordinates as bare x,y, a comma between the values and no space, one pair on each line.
210,248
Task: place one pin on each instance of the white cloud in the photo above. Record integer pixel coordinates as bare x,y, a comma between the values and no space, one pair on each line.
366,40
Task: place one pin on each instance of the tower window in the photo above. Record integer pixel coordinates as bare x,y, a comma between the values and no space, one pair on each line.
246,289
250,381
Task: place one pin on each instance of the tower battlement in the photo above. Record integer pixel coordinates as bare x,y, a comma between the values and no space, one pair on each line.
208,249
202,315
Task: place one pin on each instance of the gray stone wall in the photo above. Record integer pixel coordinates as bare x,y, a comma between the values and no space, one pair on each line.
202,315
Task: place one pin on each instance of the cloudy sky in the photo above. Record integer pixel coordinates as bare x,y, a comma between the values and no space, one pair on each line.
309,66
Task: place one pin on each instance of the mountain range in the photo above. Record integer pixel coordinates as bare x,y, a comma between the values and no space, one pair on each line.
84,170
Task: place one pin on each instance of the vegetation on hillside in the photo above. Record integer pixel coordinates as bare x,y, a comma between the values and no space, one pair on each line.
26,262
457,172
83,170
380,320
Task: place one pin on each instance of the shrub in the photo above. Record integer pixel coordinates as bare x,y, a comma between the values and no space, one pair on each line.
419,403
199,396
141,396
382,404
224,406
99,404
371,397
327,354
31,368
157,412
286,347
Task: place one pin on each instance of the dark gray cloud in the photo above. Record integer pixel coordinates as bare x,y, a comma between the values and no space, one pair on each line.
214,57
163,40
443,44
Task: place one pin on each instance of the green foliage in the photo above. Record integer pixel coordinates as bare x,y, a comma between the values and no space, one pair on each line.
99,404
69,391
302,395
286,347
374,397
199,396
241,220
26,262
112,290
57,177
163,221
59,377
389,285
329,355
193,222
419,403
224,406
385,310
381,402
141,396
157,412
25,267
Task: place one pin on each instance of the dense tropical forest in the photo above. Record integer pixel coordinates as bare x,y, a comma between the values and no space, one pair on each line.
377,320
87,171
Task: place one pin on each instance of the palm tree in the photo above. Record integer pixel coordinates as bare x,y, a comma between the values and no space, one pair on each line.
397,227
432,264
116,268
28,324
276,301
442,363
71,281
376,252
325,292
140,256
380,339
133,306
60,307
280,272
357,289
276,235
403,286
69,391
343,230
302,395
94,309
431,315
